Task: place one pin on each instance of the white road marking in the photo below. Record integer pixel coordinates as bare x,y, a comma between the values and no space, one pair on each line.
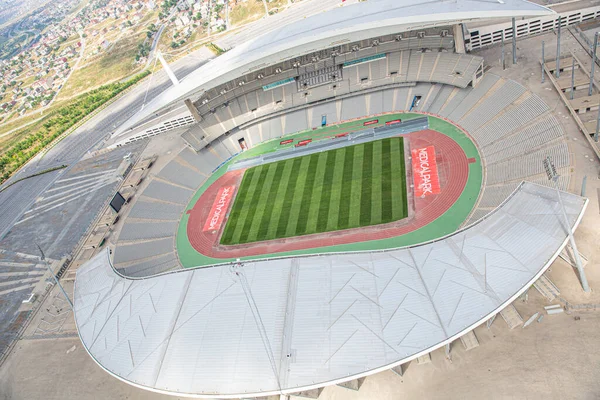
84,176
27,280
87,192
82,187
17,289
25,273
54,189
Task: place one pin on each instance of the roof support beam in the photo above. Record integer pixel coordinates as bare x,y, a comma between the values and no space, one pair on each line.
168,70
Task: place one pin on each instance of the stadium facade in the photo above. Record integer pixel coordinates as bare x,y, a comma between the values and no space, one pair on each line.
282,325
316,51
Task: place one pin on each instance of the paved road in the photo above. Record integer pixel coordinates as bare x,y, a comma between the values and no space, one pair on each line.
18,198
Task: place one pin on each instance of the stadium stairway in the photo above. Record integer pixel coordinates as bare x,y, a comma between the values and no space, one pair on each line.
146,242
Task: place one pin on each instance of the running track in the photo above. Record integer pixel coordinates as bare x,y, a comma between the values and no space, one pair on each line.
453,169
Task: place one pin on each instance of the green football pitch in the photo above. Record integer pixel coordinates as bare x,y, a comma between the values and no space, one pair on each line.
351,187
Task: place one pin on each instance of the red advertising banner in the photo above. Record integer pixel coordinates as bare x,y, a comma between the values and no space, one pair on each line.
219,209
396,121
425,172
342,134
371,122
286,142
303,142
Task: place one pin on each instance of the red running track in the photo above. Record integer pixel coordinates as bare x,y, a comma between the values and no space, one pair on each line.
453,170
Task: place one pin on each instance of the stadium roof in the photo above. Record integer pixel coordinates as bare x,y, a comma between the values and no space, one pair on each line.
346,24
290,324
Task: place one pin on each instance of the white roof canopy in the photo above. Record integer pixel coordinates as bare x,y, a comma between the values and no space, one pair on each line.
350,23
290,324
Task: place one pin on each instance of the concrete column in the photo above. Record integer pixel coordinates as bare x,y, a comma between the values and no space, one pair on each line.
352,385
309,394
593,64
597,126
502,59
514,40
543,63
398,370
558,48
459,39
573,79
192,108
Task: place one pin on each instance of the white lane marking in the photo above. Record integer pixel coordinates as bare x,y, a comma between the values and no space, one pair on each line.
96,179
61,204
84,176
86,190
20,281
23,273
82,187
18,288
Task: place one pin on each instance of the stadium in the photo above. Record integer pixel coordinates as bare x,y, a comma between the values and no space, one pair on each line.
357,190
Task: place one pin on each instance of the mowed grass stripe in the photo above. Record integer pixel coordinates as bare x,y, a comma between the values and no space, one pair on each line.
376,184
287,202
386,181
356,188
297,200
399,206
317,193
323,213
251,209
235,211
367,187
307,194
265,217
346,189
336,190
261,204
278,200
246,205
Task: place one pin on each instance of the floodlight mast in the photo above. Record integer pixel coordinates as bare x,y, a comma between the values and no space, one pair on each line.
553,176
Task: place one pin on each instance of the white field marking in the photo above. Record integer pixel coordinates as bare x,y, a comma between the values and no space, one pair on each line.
16,289
60,204
93,179
84,176
24,273
20,281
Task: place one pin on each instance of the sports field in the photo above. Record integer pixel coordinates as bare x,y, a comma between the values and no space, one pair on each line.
345,188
